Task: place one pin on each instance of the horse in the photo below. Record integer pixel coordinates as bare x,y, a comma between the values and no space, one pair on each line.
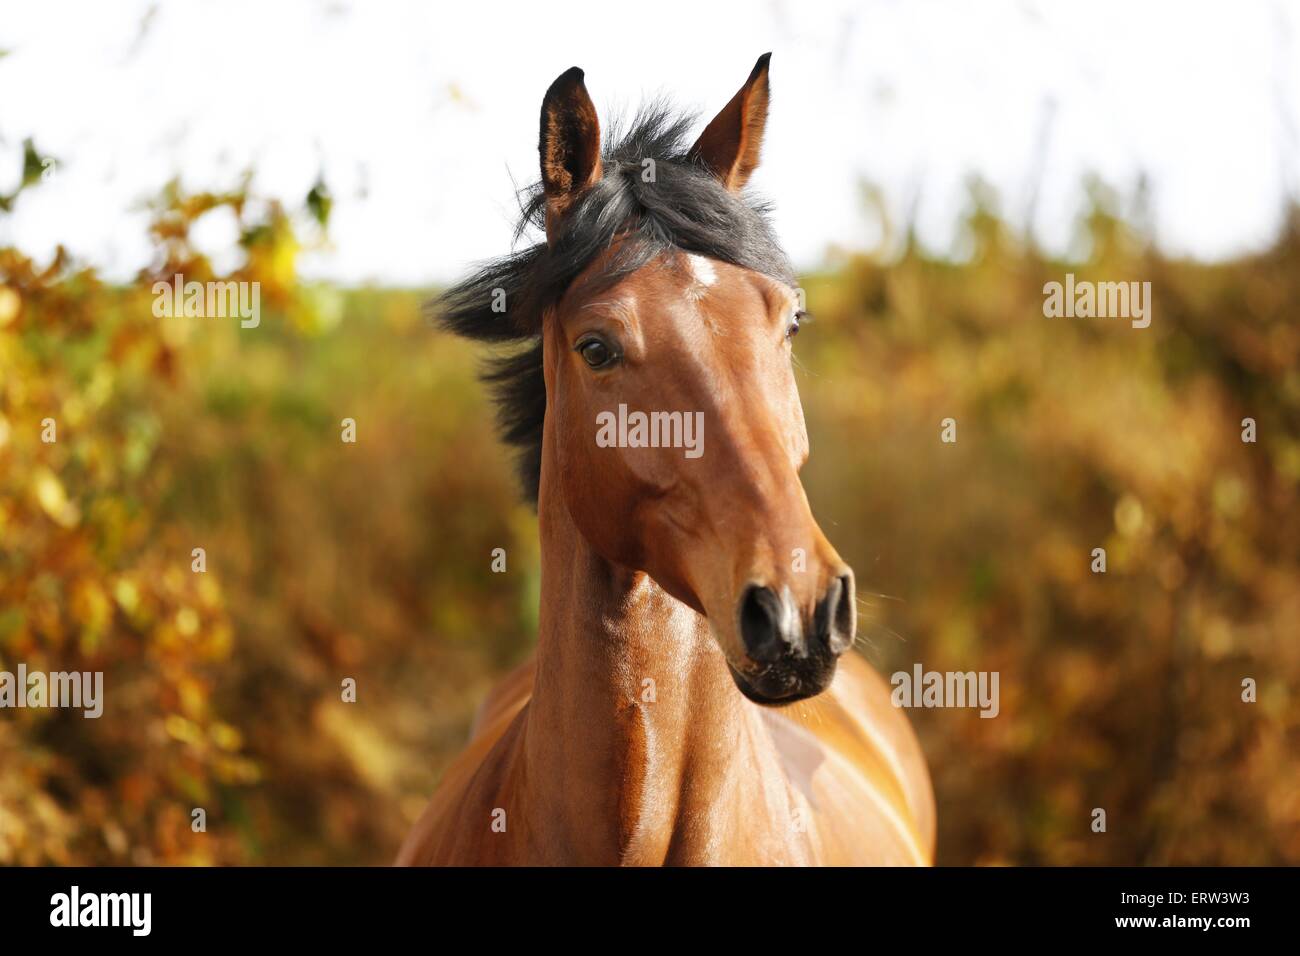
690,700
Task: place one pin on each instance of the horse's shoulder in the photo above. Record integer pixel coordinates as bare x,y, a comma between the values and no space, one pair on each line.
866,743
477,772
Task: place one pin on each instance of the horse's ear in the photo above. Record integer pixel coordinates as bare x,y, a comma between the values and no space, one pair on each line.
729,146
569,144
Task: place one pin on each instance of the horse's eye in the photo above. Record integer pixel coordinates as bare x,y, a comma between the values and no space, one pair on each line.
596,353
793,329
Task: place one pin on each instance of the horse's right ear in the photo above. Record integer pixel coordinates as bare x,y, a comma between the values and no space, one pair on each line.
569,145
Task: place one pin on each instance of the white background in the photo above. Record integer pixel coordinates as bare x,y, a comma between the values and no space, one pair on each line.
419,114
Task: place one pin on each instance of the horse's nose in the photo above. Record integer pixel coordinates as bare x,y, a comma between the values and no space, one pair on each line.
768,625
771,627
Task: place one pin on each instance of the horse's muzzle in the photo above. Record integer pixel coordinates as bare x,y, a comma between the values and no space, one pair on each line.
791,656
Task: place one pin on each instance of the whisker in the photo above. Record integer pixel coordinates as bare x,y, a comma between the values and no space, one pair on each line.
891,632
867,622
887,597
861,640
794,359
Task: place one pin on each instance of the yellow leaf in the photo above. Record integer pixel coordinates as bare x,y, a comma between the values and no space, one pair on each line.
53,499
10,304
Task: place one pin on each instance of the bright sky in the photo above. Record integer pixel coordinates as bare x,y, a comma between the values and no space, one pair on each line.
420,114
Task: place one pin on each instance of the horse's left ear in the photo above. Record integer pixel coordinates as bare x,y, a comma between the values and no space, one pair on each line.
729,146
569,144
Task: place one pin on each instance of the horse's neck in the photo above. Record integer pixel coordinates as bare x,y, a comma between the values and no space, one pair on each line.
638,747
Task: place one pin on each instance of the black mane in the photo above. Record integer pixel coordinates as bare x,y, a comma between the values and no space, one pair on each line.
683,207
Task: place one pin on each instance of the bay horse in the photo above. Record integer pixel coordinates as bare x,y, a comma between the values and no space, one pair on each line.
689,604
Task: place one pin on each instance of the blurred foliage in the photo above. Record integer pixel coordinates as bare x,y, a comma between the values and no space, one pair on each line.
329,560
1119,690
326,560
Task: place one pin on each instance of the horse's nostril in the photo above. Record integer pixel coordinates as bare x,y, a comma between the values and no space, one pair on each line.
760,624
835,617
